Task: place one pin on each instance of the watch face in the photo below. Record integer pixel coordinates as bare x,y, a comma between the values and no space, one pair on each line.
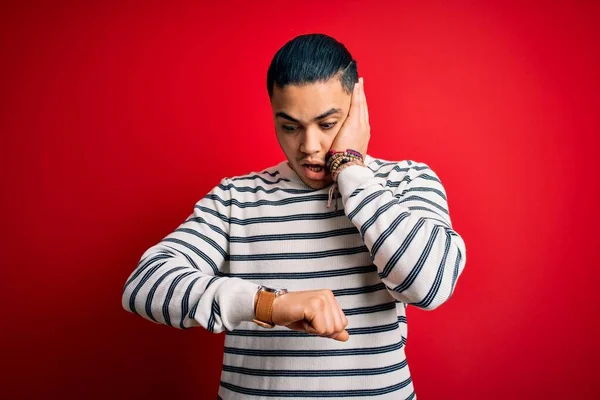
273,290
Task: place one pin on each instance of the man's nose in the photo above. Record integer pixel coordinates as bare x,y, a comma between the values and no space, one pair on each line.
311,141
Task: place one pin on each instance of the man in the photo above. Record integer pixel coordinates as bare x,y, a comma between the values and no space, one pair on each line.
350,267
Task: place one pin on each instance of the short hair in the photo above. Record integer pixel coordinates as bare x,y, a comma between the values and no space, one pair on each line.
312,58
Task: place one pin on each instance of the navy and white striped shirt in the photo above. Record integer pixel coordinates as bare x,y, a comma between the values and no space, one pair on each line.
390,243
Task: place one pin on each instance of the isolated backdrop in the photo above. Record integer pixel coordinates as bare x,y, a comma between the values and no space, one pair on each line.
116,117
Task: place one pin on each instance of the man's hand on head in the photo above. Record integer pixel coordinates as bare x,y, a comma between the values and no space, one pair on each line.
311,311
355,133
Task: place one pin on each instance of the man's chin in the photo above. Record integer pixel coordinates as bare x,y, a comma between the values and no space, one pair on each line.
317,184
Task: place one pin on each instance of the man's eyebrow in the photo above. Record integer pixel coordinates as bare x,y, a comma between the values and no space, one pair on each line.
318,117
285,116
327,114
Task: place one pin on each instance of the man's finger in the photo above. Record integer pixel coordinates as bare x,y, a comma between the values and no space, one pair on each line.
343,317
318,325
308,328
296,326
343,336
361,103
365,107
337,318
329,321
354,102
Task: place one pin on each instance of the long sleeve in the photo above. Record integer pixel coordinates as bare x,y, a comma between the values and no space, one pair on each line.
179,281
404,221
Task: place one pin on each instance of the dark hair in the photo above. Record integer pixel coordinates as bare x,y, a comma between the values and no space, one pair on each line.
312,58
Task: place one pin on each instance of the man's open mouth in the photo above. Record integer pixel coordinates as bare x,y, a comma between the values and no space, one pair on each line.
314,167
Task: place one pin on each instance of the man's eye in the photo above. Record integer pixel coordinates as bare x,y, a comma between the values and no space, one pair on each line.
289,128
328,125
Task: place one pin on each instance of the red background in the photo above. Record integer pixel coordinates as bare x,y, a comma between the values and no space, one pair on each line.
116,118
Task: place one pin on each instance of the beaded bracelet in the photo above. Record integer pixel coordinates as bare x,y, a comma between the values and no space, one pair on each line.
338,160
331,153
334,154
334,159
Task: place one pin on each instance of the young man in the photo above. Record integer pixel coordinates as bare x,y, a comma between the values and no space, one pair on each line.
312,296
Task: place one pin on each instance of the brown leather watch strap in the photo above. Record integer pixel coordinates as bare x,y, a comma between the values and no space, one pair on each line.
264,308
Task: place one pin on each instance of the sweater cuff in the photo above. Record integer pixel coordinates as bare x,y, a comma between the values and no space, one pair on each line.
351,178
236,299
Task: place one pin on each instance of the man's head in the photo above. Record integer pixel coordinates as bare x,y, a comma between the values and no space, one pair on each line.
310,82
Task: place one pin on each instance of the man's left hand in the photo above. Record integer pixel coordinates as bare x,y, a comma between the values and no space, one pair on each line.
355,132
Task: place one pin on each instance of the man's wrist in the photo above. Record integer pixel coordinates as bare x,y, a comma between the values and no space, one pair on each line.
352,177
263,307
335,160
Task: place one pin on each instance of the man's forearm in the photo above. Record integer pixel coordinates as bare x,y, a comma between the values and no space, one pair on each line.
418,255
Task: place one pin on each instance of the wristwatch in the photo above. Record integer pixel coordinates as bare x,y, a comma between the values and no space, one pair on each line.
264,305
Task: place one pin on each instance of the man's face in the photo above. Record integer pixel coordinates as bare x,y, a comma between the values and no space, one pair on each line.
307,120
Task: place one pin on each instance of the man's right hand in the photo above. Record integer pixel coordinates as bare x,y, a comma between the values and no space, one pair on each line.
311,311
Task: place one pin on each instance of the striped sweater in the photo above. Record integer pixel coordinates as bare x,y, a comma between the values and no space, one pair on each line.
386,244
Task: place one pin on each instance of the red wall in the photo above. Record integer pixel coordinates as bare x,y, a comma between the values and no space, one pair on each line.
115,119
